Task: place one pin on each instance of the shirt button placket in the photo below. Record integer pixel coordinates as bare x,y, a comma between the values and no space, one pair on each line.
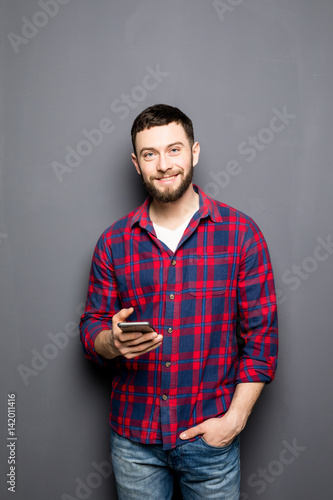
166,375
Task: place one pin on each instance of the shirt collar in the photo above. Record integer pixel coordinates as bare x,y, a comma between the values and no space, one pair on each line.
207,207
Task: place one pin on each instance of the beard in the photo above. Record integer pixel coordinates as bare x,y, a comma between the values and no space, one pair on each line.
168,194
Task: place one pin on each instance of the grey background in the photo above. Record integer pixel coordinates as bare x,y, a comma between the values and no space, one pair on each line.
228,68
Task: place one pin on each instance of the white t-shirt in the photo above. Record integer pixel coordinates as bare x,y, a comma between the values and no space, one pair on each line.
171,237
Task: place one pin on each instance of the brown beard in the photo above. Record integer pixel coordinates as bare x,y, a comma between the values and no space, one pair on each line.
168,197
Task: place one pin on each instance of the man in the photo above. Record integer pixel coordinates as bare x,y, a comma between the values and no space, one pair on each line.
199,272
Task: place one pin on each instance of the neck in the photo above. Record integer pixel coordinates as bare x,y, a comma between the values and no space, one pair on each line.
173,214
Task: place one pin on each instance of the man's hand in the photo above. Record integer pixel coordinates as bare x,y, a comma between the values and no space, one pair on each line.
222,431
216,432
112,343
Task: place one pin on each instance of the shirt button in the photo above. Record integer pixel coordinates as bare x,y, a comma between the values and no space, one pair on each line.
170,330
168,364
172,296
164,397
173,262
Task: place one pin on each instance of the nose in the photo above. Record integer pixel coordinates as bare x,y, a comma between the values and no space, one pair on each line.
163,163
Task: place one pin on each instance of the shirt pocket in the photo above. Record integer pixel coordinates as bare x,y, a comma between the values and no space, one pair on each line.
208,275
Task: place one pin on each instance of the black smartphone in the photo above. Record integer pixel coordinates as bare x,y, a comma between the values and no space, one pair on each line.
136,326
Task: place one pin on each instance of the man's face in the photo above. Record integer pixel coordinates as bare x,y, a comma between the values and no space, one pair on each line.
165,161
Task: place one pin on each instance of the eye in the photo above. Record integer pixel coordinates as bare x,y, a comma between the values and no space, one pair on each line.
148,155
175,150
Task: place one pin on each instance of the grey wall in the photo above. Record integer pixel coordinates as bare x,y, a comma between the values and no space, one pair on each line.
233,66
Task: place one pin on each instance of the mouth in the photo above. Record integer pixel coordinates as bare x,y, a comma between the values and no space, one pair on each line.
166,178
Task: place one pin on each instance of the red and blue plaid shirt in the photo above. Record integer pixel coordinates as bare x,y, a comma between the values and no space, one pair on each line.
219,282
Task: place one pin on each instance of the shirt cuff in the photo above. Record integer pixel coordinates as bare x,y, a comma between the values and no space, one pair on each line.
256,370
88,336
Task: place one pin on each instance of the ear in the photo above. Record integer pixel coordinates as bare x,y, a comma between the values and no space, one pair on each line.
196,153
136,163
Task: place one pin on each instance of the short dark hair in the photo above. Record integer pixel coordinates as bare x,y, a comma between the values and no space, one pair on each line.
158,115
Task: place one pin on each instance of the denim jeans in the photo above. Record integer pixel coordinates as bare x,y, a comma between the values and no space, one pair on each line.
146,472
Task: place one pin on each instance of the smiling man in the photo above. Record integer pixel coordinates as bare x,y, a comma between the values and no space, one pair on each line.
170,165
199,271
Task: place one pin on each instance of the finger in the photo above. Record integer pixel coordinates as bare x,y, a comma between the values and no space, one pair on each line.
127,339
122,315
134,351
134,338
191,433
138,346
137,338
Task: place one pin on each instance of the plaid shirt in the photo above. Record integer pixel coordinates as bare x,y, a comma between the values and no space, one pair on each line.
219,277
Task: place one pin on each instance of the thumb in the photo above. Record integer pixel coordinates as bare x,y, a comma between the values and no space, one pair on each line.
191,433
122,314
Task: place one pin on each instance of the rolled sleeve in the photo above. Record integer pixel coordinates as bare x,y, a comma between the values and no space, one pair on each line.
102,300
258,311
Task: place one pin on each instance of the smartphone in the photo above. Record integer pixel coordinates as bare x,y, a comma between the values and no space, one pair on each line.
136,326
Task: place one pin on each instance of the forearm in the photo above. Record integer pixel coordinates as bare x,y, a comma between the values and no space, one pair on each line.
104,346
244,399
222,430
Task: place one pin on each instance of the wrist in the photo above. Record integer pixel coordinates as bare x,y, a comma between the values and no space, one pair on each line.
237,417
103,344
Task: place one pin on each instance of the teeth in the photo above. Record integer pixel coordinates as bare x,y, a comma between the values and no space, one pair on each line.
164,178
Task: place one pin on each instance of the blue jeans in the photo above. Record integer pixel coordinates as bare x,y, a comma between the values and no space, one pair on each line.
146,472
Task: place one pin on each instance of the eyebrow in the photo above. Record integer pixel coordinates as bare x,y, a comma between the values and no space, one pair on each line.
167,147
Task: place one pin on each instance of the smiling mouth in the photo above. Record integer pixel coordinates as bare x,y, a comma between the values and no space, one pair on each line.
166,178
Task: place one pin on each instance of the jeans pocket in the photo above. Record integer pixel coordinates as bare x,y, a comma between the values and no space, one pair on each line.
223,449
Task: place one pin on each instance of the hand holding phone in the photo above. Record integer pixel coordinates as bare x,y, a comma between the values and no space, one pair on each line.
136,326
131,339
128,339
